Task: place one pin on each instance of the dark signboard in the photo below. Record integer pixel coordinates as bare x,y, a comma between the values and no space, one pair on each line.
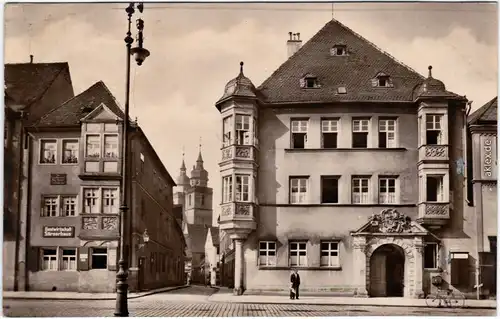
59,231
57,179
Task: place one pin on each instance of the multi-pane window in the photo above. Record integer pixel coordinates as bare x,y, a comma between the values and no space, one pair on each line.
431,255
243,133
360,129
435,191
227,131
68,259
330,254
242,191
360,190
329,131
387,133
299,133
329,189
298,190
69,205
50,206
433,134
48,151
298,253
93,146
387,190
49,259
267,253
109,200
91,200
111,146
227,189
70,152
99,258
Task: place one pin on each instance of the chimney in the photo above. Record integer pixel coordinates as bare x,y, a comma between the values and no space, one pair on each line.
31,58
293,44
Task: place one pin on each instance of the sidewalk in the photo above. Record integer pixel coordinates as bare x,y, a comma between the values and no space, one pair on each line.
64,295
225,296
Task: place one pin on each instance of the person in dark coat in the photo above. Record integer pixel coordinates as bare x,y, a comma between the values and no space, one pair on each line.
295,283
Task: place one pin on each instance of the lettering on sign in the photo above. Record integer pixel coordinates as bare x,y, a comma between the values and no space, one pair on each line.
84,256
488,158
57,179
59,231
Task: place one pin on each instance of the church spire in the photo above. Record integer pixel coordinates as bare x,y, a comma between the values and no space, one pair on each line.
183,165
199,161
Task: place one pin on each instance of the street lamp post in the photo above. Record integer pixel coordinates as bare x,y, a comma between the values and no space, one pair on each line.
121,308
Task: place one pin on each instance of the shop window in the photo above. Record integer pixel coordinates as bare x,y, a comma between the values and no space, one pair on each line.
68,260
99,258
460,272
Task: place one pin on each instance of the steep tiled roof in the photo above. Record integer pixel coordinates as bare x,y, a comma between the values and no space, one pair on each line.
27,82
354,71
486,113
197,236
214,231
71,111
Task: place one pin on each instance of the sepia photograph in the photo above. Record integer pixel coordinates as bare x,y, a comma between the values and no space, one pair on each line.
237,159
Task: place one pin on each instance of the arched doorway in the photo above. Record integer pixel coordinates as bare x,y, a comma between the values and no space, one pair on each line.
387,271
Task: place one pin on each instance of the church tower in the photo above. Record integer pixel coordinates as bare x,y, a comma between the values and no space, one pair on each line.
182,184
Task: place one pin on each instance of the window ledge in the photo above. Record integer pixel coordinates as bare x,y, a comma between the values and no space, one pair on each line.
339,205
100,176
337,268
370,149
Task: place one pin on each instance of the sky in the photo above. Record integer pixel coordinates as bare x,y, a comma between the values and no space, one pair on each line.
196,49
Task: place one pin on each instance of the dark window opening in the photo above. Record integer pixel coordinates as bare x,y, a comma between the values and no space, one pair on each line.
329,140
383,81
360,139
310,83
460,273
430,256
298,140
382,139
99,258
432,137
330,190
433,188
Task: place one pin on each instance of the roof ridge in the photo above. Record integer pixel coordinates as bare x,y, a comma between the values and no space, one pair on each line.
46,88
477,114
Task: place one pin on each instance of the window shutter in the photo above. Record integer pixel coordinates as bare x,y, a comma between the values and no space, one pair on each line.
83,259
112,258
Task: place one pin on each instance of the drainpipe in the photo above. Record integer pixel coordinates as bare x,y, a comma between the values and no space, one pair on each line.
18,209
468,108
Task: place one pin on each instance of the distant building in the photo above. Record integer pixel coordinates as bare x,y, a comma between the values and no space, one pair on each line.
73,202
342,164
212,256
482,189
195,197
31,90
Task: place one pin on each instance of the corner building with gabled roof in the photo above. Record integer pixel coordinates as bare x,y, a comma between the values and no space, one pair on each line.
348,166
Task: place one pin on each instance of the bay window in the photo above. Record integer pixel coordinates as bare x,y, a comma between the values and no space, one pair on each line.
243,134
227,131
227,189
433,128
242,188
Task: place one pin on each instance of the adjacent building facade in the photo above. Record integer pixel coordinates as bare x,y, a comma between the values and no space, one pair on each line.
212,262
74,168
31,90
482,190
347,165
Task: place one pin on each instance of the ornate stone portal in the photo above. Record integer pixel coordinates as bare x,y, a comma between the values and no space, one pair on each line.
389,227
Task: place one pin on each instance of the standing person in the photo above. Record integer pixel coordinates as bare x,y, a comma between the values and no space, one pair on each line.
295,281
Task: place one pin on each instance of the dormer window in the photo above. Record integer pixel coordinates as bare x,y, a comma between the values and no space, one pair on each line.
338,50
309,81
382,80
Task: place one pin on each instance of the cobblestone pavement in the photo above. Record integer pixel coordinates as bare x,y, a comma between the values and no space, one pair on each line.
155,307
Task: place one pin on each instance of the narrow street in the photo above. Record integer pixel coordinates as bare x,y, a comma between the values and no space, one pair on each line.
192,302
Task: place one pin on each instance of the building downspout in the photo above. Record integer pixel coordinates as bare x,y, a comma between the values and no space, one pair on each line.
18,215
28,202
468,108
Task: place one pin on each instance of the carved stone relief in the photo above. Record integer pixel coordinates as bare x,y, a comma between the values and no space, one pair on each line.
243,209
227,153
109,223
435,151
390,221
243,152
435,209
89,223
227,210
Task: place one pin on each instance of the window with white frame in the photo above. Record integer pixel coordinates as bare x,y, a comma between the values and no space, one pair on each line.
68,259
227,130
360,187
435,191
227,189
298,253
99,258
242,191
433,134
431,251
299,133
330,254
70,151
298,190
329,132
387,190
255,135
360,130
50,206
267,253
110,200
91,200
243,133
48,151
49,258
69,206
387,133
111,146
93,145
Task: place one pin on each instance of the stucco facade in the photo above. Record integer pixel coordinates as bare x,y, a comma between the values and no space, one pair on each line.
357,183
